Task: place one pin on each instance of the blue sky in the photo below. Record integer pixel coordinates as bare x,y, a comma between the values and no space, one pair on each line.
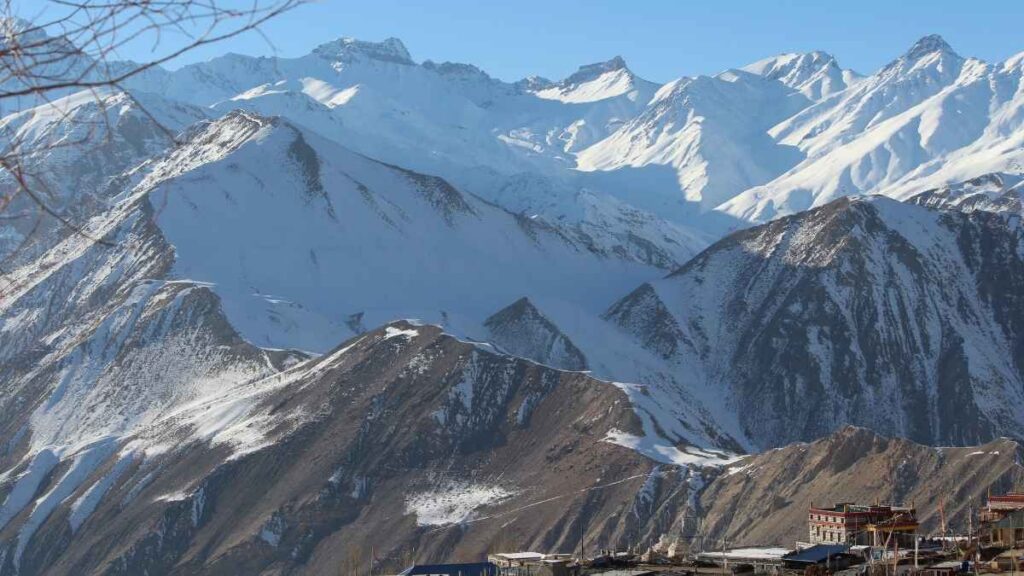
659,39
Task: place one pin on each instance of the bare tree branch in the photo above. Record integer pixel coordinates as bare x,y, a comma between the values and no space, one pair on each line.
71,46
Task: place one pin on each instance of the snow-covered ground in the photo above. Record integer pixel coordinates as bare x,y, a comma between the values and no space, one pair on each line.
453,502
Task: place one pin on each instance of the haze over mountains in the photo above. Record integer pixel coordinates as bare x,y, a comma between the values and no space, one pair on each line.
361,298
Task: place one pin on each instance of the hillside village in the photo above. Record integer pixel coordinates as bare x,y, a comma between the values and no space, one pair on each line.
848,539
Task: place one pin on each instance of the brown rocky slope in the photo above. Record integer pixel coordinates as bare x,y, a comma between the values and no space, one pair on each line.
763,499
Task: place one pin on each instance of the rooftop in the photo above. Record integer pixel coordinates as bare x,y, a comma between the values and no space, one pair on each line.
817,553
947,564
466,568
1013,520
520,555
848,507
768,553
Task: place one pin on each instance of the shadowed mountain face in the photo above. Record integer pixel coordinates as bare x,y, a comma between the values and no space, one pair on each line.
521,329
995,192
873,312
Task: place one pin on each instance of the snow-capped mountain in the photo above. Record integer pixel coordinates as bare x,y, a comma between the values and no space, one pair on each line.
225,379
774,137
401,439
869,311
453,120
134,398
996,192
33,59
927,118
711,131
69,151
814,74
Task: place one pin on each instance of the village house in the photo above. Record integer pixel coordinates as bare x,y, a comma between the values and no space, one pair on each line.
850,524
1007,532
534,564
1000,506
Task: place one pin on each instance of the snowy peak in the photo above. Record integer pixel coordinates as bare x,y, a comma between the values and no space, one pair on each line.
785,66
589,72
933,43
347,49
457,70
904,122
593,82
995,192
523,330
1014,63
711,130
815,74
931,53
534,83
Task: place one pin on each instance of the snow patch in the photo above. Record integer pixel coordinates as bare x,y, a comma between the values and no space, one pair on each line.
660,450
453,503
392,332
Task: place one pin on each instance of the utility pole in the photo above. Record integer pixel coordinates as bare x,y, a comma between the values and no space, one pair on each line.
970,538
725,558
942,518
895,554
582,555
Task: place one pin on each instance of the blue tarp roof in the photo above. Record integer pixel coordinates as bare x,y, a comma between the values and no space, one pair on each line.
467,569
816,553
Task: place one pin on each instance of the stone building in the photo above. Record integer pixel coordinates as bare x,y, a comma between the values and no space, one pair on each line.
850,524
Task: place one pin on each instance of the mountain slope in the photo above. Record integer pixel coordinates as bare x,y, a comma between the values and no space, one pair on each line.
764,498
297,233
68,151
866,311
997,192
142,430
814,74
464,440
927,118
710,130
523,330
174,399
452,120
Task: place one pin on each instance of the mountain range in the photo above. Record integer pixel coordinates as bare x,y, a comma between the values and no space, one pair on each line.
313,305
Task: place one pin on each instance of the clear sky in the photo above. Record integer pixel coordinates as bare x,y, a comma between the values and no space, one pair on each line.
660,39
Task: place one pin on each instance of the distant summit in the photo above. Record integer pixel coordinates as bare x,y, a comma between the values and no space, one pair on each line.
589,72
390,50
928,45
815,74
